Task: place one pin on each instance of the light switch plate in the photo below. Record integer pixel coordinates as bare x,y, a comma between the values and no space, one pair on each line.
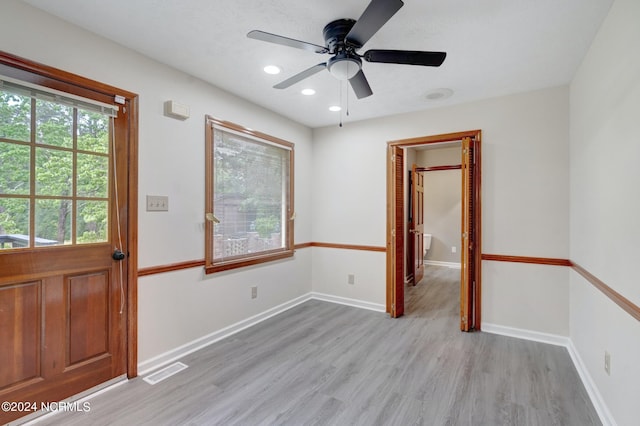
157,203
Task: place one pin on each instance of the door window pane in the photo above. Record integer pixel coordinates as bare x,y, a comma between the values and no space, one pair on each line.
53,222
54,172
53,124
15,117
14,223
14,168
93,175
92,221
93,132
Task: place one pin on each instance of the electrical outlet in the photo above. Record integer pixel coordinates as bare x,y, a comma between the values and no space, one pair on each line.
454,249
254,292
351,279
607,362
157,203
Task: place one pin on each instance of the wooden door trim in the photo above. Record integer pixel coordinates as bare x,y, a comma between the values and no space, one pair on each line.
391,204
21,68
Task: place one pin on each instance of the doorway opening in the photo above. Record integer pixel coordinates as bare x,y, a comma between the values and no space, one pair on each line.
470,230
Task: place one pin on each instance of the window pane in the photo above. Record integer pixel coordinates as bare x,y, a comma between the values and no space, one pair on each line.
54,172
92,222
93,176
93,132
53,222
15,117
250,184
14,168
53,124
14,223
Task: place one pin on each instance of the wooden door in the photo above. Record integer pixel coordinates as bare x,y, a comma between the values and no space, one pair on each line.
396,215
417,207
468,238
63,304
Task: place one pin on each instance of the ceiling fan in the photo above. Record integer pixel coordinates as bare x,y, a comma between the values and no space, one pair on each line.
343,38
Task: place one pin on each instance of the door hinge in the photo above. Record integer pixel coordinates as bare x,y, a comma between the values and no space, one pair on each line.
393,232
464,320
393,306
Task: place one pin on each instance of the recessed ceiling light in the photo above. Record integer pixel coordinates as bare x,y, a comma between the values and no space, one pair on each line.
438,94
308,92
335,108
272,69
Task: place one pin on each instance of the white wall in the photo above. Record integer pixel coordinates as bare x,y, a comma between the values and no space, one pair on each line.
524,200
177,307
605,147
442,202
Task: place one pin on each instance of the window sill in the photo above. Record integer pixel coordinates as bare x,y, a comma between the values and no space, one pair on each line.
243,261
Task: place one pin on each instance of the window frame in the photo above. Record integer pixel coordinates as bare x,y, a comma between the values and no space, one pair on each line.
212,265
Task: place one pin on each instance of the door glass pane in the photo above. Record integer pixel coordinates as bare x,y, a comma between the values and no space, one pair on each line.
14,168
93,176
92,221
14,223
54,172
15,117
53,124
53,222
93,132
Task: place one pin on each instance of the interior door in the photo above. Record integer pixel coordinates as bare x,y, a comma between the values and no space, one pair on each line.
417,207
468,238
62,293
397,231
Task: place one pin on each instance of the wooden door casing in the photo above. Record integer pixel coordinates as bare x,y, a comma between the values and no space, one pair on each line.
470,305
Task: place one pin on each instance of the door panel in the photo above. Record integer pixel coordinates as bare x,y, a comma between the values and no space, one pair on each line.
88,316
20,334
417,201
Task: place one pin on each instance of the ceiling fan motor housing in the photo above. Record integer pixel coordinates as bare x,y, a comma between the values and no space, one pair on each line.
345,63
335,33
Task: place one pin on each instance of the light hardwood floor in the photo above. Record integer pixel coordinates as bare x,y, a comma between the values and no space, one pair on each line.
327,364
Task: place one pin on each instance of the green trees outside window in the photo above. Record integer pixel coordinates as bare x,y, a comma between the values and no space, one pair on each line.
54,173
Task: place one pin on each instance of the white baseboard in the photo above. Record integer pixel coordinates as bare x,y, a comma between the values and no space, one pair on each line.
536,336
349,302
181,351
594,394
454,265
177,353
553,339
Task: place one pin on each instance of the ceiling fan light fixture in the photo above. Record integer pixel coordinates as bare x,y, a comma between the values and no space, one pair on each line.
335,108
344,67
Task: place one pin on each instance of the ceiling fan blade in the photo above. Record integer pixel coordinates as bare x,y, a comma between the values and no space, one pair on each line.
360,85
409,57
301,76
373,18
286,41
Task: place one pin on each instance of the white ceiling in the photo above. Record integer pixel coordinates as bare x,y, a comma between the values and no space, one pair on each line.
494,47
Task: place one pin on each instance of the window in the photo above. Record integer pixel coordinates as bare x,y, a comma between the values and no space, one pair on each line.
249,197
54,168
